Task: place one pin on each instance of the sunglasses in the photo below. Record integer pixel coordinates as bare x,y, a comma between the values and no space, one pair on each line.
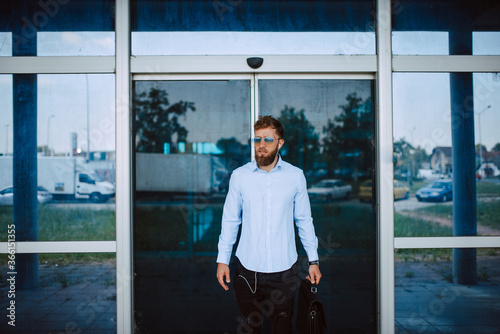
267,140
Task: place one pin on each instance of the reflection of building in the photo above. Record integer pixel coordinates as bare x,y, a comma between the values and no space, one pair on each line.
103,163
441,160
491,164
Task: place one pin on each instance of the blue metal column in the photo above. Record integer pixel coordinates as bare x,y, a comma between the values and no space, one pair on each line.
25,176
464,156
25,154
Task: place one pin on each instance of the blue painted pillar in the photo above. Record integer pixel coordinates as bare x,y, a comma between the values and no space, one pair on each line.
25,176
464,156
25,152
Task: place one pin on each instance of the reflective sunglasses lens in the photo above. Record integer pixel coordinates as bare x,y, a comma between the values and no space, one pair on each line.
269,140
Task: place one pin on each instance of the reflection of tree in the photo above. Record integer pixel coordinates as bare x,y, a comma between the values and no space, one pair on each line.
301,142
157,121
234,153
408,159
348,139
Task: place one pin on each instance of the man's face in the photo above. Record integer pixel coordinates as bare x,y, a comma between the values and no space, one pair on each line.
266,153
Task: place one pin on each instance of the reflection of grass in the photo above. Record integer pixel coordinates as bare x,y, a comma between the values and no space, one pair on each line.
483,188
350,226
424,255
487,212
59,223
165,228
68,258
161,228
415,227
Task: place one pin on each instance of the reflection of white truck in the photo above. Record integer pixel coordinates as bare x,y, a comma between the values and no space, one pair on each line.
180,173
64,177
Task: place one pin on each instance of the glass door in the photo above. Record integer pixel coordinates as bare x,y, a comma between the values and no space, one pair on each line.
191,134
329,133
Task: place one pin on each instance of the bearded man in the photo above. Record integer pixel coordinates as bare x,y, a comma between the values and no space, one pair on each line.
266,197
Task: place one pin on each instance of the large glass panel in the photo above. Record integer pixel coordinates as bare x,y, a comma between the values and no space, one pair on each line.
426,138
5,44
74,133
73,293
6,143
252,27
59,28
76,43
431,27
329,134
189,137
6,122
427,299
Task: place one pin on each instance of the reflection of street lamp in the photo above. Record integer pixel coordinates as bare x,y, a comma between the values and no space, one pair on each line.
88,122
480,146
7,138
48,133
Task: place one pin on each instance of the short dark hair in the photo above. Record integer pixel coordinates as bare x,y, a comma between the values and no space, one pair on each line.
270,122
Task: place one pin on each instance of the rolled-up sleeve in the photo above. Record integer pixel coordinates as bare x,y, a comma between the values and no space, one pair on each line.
303,220
231,221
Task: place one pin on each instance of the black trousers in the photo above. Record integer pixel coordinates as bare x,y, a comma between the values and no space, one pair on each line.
260,295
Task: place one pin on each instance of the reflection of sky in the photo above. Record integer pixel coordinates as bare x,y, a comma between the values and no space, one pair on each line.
421,101
320,99
422,110
222,107
65,97
254,43
5,44
76,43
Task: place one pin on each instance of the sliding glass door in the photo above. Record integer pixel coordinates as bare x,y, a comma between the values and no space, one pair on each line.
189,137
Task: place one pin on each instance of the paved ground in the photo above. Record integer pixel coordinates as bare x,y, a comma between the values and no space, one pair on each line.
77,298
426,302
82,299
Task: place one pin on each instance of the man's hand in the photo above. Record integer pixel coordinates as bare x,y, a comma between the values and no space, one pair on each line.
314,274
223,271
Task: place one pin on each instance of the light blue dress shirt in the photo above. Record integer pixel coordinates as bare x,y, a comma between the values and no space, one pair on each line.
266,205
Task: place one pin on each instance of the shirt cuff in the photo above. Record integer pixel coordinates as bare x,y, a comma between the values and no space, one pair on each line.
223,258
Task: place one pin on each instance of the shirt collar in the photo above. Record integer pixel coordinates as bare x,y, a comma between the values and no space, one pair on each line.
255,167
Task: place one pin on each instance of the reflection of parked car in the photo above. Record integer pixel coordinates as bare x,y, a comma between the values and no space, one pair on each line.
329,189
436,191
7,196
365,191
401,191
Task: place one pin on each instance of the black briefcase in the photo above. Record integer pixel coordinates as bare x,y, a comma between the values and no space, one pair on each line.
310,314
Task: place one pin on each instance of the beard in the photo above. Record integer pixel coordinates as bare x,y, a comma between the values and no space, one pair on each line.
266,160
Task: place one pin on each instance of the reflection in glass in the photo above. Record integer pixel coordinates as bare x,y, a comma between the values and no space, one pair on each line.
420,43
329,132
6,144
75,187
189,137
252,27
76,292
76,43
428,301
5,44
423,152
255,43
447,27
